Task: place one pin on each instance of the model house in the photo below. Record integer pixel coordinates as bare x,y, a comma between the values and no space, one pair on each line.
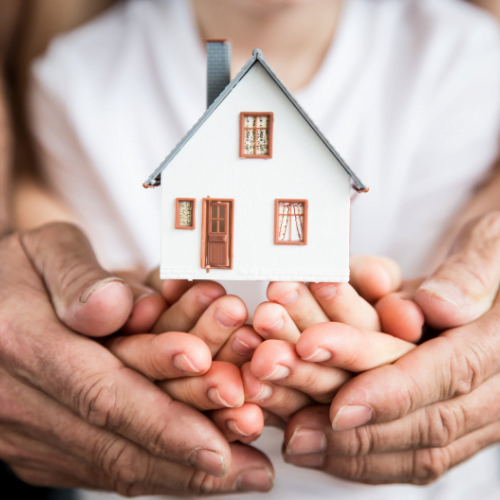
254,191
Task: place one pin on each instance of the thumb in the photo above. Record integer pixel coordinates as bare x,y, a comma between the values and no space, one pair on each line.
85,297
464,287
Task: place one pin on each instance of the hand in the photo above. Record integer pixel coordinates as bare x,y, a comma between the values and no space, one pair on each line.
283,377
70,413
180,363
436,406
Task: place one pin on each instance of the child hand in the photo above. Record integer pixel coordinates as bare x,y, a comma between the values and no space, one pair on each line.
181,363
307,357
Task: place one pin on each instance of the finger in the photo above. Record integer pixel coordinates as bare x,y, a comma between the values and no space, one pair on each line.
220,387
148,304
373,277
400,317
103,457
243,424
272,420
251,470
240,347
464,287
226,315
434,426
106,394
85,297
184,313
341,303
277,361
416,467
170,290
47,478
450,365
342,346
165,356
272,321
280,401
296,298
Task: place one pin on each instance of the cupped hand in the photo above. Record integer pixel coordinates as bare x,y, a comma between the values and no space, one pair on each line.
71,414
181,363
436,406
319,336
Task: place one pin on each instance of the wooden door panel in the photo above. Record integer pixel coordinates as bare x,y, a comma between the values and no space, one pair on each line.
217,254
218,233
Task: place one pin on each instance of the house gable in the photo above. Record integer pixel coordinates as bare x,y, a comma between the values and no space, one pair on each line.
255,61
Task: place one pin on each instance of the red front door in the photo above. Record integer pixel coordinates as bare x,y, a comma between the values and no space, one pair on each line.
218,234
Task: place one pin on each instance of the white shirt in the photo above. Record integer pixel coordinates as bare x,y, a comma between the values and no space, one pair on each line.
408,94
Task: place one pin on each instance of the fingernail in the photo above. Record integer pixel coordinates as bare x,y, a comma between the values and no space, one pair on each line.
143,296
279,373
350,416
327,292
266,392
233,427
288,299
319,356
239,347
445,291
275,327
183,363
225,319
311,461
208,461
214,396
85,296
259,479
306,441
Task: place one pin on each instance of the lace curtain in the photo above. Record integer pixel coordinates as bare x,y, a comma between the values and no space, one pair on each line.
291,221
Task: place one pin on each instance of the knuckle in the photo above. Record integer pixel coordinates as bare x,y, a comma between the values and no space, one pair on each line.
359,442
444,424
466,367
200,483
118,460
463,366
429,465
355,469
97,399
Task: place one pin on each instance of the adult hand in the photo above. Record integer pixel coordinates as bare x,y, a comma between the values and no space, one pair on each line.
70,413
436,406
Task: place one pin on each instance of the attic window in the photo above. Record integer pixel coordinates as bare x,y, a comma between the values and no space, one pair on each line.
184,213
290,222
256,134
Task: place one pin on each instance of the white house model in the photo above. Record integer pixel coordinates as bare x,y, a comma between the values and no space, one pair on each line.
254,191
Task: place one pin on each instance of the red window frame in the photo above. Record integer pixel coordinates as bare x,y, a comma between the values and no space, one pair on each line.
277,223
178,213
270,115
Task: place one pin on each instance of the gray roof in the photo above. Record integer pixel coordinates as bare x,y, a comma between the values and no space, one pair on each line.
257,56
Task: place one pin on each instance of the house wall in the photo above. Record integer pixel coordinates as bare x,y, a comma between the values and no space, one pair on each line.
301,168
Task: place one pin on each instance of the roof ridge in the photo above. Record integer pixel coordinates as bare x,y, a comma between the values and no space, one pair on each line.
257,55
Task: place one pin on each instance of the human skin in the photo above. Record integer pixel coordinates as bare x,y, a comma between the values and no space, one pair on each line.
41,477
300,322
71,414
219,327
434,407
